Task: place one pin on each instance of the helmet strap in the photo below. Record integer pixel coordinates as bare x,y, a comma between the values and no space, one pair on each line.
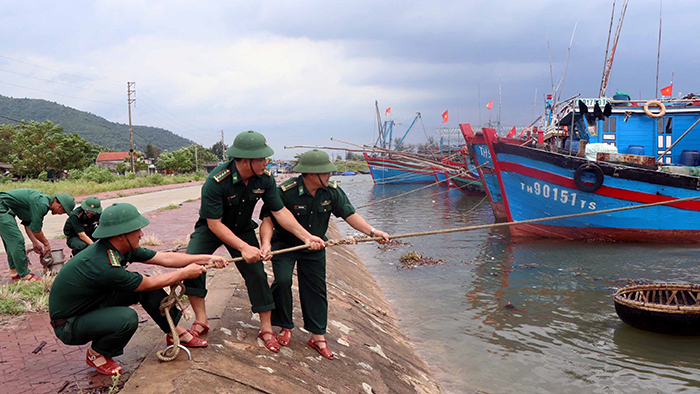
320,181
129,242
250,165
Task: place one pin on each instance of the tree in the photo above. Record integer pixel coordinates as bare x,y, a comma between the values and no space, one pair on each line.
219,150
204,155
139,163
7,133
152,151
38,147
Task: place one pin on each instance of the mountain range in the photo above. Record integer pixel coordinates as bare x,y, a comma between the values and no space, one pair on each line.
93,128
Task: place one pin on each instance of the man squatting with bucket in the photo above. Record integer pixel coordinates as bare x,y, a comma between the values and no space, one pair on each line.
311,198
229,196
90,297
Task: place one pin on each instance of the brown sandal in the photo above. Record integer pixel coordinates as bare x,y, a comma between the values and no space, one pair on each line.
271,344
193,331
325,352
30,277
284,337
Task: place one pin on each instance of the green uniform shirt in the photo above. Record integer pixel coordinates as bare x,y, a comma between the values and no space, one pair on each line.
88,279
226,197
79,222
29,205
312,212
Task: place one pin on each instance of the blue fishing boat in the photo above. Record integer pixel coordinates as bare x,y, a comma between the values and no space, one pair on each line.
480,157
540,180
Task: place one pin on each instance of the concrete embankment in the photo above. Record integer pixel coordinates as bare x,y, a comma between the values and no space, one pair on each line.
372,354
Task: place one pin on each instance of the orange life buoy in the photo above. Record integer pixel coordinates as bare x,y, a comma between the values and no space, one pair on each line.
656,103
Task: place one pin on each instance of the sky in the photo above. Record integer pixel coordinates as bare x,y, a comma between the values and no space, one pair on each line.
301,72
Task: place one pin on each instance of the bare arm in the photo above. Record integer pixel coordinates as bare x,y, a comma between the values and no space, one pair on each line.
179,260
360,224
159,281
289,223
250,253
85,238
39,242
266,228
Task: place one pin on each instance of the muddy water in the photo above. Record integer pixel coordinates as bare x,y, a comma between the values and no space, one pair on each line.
536,317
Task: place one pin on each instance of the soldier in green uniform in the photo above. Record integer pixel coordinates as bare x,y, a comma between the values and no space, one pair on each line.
30,206
229,196
311,198
90,297
81,223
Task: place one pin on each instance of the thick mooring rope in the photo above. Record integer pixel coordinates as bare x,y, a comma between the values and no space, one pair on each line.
174,298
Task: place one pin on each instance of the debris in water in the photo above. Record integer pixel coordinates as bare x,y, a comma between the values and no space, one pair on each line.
413,259
394,243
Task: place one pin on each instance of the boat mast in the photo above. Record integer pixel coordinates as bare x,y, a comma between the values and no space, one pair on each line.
601,92
658,55
609,61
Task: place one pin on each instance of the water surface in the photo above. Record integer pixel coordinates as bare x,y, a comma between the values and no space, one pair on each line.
513,317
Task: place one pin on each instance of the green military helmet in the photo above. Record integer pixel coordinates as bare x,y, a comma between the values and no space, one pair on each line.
315,162
249,145
66,201
92,205
118,219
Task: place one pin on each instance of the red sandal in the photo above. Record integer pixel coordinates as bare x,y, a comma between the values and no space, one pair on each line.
325,352
30,277
271,344
194,342
205,329
284,337
110,367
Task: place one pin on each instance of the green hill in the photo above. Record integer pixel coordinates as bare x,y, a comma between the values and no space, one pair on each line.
93,128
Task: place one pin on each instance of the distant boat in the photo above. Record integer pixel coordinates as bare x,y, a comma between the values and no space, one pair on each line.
346,173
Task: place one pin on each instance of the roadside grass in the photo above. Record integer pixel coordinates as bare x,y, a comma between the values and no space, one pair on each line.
168,207
82,187
26,297
181,242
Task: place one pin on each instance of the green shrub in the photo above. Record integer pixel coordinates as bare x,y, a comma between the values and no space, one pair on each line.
97,174
157,179
131,176
75,174
42,176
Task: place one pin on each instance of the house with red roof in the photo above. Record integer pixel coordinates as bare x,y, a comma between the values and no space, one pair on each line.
109,160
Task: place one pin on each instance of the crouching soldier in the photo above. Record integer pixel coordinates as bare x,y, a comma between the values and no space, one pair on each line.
90,297
311,198
81,223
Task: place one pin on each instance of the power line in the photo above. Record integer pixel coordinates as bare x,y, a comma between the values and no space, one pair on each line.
175,117
59,83
14,120
58,94
50,69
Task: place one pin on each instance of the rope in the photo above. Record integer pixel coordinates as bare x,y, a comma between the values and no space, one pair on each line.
174,299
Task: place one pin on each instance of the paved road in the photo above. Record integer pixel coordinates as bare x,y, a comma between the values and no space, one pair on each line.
53,225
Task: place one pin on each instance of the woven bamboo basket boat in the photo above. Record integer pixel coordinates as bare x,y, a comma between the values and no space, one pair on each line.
662,307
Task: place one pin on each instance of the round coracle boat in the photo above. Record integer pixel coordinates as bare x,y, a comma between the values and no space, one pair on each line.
667,308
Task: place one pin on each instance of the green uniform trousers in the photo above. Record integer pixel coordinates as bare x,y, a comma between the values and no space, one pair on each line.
13,240
311,277
203,241
76,244
111,326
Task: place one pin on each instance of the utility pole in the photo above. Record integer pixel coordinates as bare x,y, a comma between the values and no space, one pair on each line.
223,147
129,91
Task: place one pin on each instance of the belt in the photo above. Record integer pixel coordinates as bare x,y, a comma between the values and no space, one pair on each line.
58,322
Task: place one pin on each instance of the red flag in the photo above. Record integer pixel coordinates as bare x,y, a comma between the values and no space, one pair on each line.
667,91
511,133
388,111
444,117
522,132
489,105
